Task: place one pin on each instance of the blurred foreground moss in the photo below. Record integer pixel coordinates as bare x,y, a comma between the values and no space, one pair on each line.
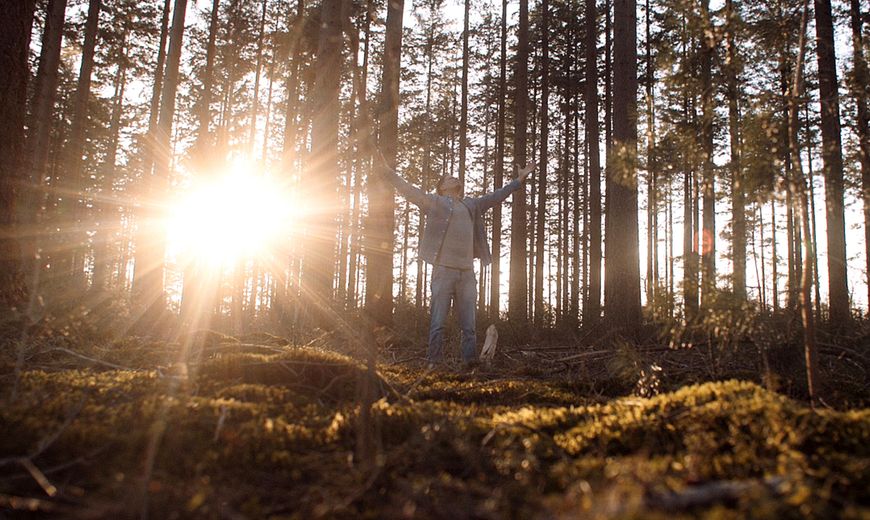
273,435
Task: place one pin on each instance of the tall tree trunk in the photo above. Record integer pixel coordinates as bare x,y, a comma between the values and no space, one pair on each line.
592,310
622,273
255,105
708,235
14,46
817,300
203,139
148,287
774,258
738,195
45,92
542,169
838,291
799,190
652,189
518,289
72,260
690,209
39,138
142,253
319,255
860,84
361,161
107,212
578,212
498,173
463,114
379,263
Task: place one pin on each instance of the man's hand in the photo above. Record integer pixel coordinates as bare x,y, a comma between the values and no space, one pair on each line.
522,173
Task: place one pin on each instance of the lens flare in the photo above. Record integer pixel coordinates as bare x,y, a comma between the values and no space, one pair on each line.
237,216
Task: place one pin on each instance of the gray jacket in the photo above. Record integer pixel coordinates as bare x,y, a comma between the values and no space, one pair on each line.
438,209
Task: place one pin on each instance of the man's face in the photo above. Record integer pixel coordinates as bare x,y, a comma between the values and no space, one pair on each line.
452,187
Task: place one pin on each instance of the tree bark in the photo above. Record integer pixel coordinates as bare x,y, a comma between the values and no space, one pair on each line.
622,275
738,196
542,169
73,241
107,212
838,292
39,138
799,190
148,289
319,254
498,173
652,174
379,230
708,234
14,45
859,84
463,114
592,310
518,289
203,137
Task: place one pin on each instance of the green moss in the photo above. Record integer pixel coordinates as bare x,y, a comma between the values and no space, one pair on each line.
275,435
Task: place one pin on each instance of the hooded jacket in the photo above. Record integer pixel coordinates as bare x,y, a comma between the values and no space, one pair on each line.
438,208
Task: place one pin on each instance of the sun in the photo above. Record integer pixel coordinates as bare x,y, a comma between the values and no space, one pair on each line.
236,216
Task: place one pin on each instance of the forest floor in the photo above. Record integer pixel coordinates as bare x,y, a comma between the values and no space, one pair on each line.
258,428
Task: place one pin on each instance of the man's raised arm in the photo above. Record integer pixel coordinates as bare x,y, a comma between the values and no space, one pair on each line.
412,193
497,197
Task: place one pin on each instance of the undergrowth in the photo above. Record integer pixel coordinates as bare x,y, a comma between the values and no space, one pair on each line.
257,432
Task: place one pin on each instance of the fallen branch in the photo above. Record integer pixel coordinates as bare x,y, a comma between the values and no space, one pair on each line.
704,495
86,358
26,504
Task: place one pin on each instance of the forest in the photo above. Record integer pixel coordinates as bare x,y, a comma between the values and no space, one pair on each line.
227,226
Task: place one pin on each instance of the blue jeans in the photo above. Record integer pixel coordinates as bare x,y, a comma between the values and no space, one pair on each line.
460,286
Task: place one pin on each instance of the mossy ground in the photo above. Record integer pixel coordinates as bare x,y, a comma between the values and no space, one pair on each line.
271,433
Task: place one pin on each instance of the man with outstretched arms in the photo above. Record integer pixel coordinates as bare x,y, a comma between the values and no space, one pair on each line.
454,235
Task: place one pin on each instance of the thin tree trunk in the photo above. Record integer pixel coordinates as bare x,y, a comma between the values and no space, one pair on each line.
255,105
149,291
106,226
708,244
72,260
39,139
859,84
774,259
463,117
361,160
592,311
542,169
815,241
379,264
738,196
203,141
498,174
799,189
518,290
319,255
142,253
652,189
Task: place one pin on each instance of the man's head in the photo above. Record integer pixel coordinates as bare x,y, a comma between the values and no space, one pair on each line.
449,186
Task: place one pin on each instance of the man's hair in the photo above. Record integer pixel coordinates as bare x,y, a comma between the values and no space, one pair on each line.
441,182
